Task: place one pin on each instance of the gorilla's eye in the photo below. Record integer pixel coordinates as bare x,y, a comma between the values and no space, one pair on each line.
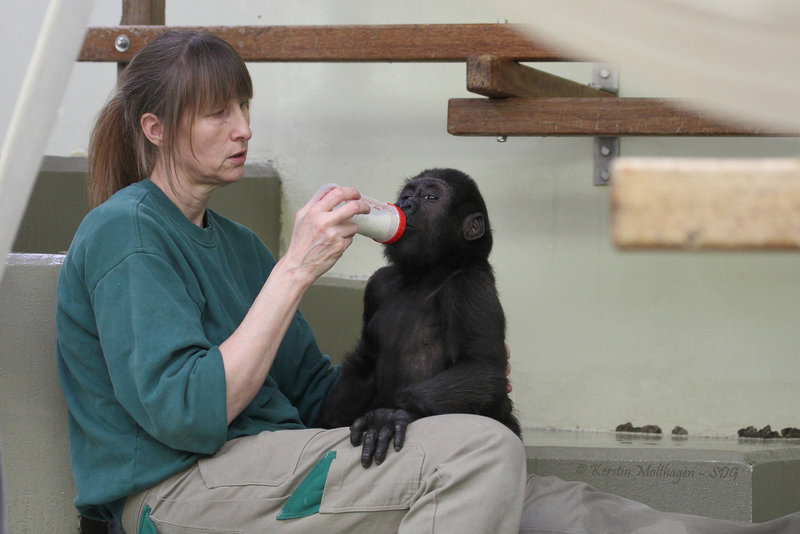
430,196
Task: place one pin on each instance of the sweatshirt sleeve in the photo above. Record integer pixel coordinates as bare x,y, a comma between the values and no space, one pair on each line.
165,372
305,375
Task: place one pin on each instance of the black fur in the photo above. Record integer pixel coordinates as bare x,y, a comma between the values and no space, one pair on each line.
433,335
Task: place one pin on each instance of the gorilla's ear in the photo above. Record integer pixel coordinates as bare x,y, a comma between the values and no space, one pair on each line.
473,227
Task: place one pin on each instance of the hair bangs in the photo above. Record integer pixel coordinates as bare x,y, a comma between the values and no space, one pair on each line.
216,75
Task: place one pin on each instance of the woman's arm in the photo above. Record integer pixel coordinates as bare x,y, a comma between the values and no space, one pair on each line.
319,238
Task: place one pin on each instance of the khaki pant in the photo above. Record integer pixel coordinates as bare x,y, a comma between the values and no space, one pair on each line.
554,506
455,474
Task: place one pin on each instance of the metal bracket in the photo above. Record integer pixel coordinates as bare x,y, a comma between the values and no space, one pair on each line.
605,150
605,77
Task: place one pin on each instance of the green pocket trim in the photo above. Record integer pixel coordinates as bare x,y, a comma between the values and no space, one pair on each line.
306,499
146,525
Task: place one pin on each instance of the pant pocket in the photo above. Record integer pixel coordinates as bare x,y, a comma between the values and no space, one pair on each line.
163,527
266,459
392,485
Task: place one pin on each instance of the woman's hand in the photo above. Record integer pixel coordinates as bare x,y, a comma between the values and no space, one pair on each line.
321,234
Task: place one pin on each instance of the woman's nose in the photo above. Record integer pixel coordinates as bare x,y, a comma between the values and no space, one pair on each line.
241,128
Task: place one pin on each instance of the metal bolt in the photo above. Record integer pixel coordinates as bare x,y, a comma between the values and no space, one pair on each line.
122,43
605,176
605,151
501,138
502,21
605,74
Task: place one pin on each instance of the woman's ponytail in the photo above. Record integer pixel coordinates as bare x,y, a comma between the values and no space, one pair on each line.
113,163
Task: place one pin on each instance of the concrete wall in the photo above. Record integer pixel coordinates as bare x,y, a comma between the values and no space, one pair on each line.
598,337
33,415
725,478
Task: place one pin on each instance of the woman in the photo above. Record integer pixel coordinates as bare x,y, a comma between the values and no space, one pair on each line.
192,381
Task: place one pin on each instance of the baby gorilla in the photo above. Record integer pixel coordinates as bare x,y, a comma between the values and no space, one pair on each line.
433,334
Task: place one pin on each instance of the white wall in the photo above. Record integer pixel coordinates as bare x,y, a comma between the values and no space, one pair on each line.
599,337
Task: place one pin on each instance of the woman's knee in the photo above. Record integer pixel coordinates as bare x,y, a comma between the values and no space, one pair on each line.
464,435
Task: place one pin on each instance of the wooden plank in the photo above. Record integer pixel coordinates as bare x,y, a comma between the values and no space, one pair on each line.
141,12
498,77
578,116
357,43
706,203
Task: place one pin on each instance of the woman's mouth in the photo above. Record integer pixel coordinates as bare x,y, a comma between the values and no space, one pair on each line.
239,157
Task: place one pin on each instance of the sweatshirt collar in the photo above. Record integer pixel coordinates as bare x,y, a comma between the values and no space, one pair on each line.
206,236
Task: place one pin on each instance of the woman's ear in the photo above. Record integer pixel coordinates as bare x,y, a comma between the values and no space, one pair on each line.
152,128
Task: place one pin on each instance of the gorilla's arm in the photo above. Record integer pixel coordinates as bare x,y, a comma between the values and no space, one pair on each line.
353,392
467,387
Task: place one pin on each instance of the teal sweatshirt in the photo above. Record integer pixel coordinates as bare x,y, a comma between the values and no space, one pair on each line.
145,298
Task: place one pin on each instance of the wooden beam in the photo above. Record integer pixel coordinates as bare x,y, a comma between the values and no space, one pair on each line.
497,77
141,12
363,43
706,204
587,116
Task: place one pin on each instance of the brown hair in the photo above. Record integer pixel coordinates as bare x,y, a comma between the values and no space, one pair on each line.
179,73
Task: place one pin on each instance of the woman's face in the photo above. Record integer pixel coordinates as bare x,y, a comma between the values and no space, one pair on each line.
212,150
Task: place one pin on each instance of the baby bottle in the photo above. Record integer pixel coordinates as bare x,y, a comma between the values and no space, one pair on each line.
384,223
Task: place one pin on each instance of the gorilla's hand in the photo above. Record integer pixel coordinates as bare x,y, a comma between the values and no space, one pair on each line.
376,429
